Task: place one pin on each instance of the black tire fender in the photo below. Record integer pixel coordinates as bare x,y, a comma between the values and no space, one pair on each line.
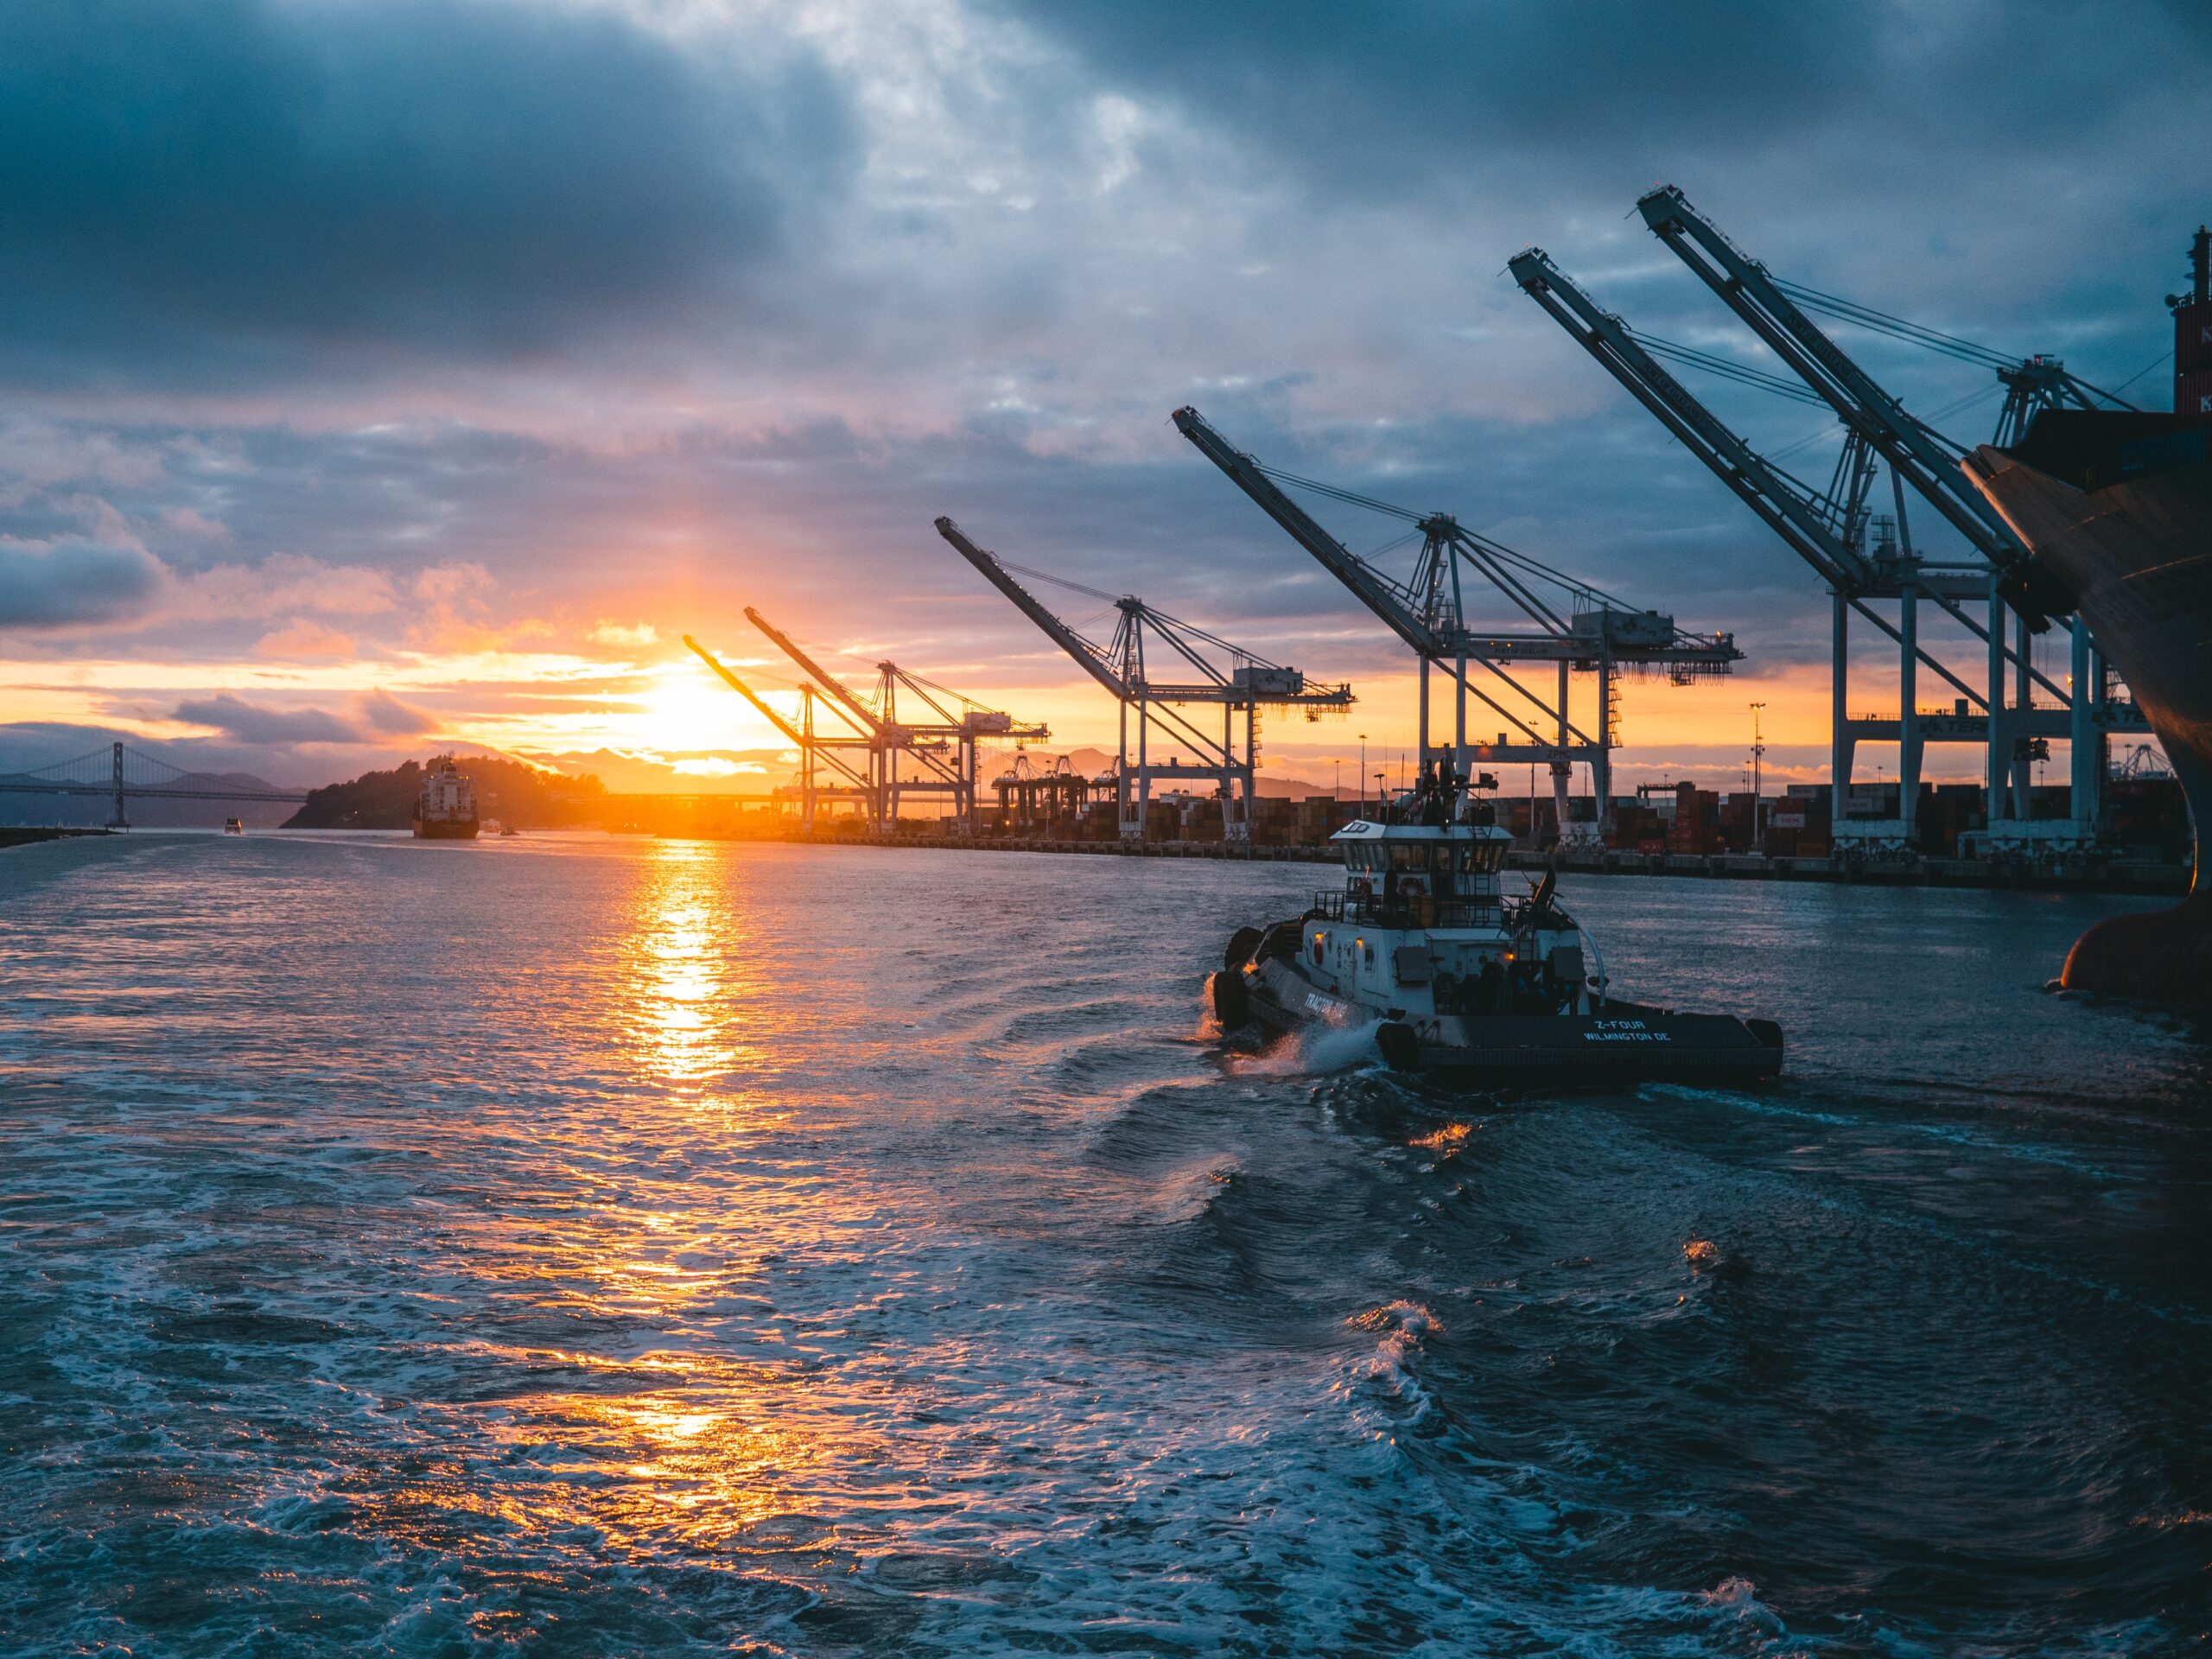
1401,1047
1232,1003
1242,944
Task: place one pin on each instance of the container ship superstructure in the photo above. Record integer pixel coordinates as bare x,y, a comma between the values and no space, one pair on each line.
446,808
2117,506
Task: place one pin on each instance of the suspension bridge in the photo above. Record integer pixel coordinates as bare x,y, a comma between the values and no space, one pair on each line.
120,773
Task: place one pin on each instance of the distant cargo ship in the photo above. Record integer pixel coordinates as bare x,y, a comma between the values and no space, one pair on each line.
445,810
2118,506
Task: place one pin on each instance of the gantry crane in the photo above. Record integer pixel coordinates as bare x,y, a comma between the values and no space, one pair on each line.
1249,682
1925,459
943,750
1031,797
1585,629
816,750
1929,461
1829,529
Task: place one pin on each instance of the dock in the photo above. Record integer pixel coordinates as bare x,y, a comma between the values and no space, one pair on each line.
2149,878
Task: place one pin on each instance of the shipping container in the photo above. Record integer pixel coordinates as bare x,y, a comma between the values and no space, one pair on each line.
2192,338
2193,392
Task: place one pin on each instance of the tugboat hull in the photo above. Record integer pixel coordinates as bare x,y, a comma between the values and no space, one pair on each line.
1627,1042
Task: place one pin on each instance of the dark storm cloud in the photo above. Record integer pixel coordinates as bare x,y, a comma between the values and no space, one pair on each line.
375,717
992,259
73,583
381,715
1425,100
1421,98
231,189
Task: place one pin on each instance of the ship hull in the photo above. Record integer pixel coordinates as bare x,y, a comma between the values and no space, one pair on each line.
2136,553
1627,1043
445,828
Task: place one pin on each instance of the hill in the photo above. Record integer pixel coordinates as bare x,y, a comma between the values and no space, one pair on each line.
506,790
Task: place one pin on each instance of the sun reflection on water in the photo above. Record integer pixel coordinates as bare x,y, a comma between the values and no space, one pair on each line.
650,1390
684,986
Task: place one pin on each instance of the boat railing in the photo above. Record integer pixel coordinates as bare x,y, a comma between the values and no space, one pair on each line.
1335,904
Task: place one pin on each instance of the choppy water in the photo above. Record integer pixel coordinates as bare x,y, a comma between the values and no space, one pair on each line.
580,1247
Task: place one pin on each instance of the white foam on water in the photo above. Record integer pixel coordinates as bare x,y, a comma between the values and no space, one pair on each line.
1314,1051
643,1296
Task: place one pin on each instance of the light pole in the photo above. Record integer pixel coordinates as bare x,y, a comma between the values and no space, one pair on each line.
1362,774
1758,807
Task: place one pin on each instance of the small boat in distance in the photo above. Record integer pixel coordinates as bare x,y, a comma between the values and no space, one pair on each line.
233,826
1457,980
446,809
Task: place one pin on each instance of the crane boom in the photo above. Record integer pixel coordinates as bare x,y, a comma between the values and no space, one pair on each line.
1092,661
745,691
797,737
1912,449
1764,488
829,683
1784,506
1373,590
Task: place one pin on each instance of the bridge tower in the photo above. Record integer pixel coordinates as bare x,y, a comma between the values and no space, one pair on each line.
115,820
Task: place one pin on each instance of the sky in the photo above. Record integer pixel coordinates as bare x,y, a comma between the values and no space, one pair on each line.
385,375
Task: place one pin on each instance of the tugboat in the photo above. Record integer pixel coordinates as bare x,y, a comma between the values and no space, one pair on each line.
445,810
233,826
1457,980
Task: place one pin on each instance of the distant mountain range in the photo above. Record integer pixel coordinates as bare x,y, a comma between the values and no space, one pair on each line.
375,799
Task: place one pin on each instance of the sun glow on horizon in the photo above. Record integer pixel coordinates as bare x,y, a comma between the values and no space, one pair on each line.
686,708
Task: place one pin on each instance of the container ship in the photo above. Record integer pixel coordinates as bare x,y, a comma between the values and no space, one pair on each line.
445,810
2117,506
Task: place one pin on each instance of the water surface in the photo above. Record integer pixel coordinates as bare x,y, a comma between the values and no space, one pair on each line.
576,1246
